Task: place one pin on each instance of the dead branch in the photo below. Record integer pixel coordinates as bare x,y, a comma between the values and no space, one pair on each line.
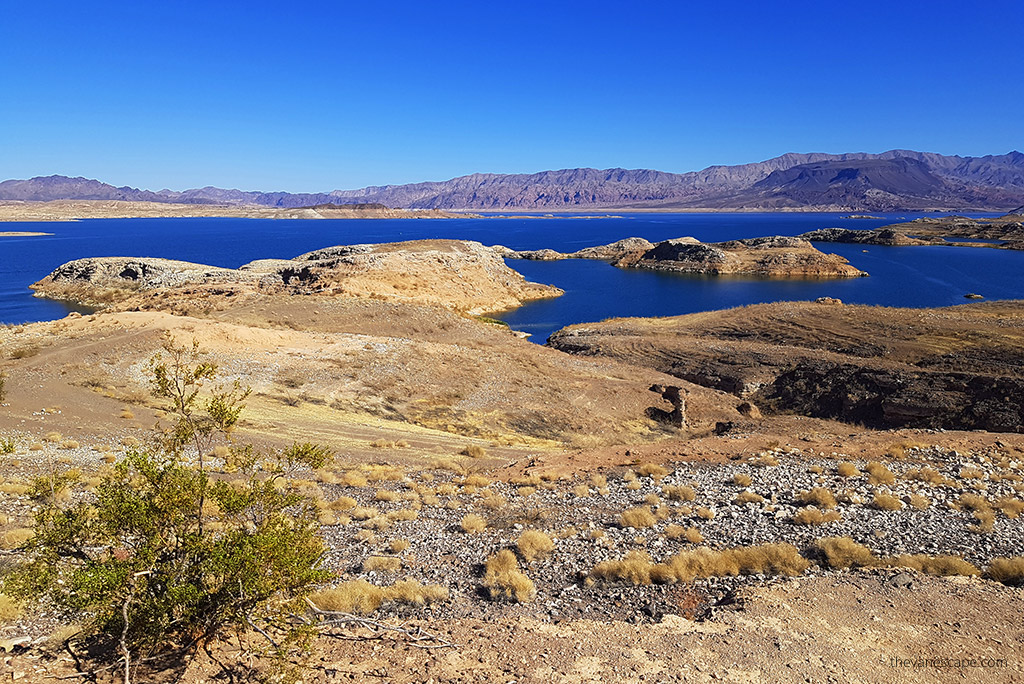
417,635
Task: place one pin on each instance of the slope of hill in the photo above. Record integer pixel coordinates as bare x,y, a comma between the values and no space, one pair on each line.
893,180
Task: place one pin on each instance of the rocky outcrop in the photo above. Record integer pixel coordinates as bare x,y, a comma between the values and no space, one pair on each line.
879,236
611,252
958,367
891,398
459,275
769,257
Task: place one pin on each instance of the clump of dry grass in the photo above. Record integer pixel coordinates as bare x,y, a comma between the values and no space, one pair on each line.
817,496
53,438
475,481
526,491
747,497
361,597
637,518
935,565
12,539
842,552
920,502
398,545
886,502
534,544
929,476
878,473
1011,508
581,491
1007,570
679,493
126,414
503,579
986,520
847,469
474,451
381,564
814,516
768,559
493,501
653,470
704,513
766,461
386,495
10,609
971,474
353,478
473,523
342,503
741,480
364,513
678,532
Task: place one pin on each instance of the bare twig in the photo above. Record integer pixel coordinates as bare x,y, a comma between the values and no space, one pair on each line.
416,635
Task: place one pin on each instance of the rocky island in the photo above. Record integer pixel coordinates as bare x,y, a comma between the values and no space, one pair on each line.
764,257
1004,232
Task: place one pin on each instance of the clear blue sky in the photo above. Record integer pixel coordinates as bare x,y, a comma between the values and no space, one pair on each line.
304,96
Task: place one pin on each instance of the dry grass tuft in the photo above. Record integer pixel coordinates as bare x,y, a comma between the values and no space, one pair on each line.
398,545
10,609
680,533
847,469
635,568
473,523
503,579
748,497
704,513
943,566
361,597
474,451
1011,508
654,471
814,516
1007,570
842,552
534,544
817,496
677,493
878,473
741,480
929,476
637,518
886,502
353,479
920,502
381,564
12,539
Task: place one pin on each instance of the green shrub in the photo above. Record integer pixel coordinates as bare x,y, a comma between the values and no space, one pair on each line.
165,558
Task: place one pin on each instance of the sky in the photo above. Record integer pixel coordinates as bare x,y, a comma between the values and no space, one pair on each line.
317,96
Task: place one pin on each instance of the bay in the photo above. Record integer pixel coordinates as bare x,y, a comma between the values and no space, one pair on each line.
907,276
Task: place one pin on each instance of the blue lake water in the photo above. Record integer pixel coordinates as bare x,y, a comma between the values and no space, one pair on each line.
900,276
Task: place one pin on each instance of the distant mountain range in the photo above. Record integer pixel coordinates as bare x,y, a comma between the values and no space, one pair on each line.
891,181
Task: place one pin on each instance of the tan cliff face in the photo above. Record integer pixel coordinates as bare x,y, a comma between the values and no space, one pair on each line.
459,275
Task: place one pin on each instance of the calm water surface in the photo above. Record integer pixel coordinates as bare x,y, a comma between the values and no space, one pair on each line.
908,276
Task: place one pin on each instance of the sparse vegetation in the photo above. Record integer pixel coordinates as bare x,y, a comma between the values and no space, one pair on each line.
381,564
817,496
813,516
842,552
747,497
741,480
878,473
362,597
679,493
886,502
1007,570
847,469
689,534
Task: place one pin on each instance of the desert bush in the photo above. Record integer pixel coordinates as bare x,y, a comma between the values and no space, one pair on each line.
973,503
7,446
878,473
813,516
474,451
637,518
503,579
704,513
679,493
353,478
847,469
741,480
766,559
690,534
817,496
534,544
886,502
747,497
25,352
842,552
144,566
473,523
1007,570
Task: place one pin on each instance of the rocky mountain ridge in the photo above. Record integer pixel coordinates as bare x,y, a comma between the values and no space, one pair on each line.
893,180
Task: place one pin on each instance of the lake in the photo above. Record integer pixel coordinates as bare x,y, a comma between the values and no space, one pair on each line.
900,276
